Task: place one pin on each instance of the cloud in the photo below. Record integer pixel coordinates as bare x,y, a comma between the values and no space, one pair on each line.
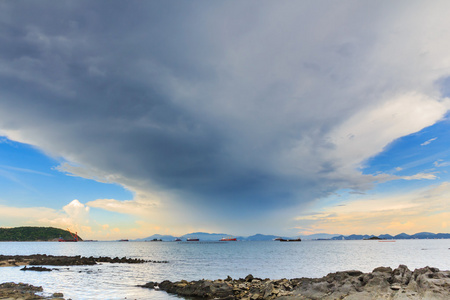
74,215
77,211
441,163
419,176
23,170
428,142
127,207
180,105
415,211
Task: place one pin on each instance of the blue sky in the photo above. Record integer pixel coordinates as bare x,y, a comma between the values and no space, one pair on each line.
28,176
289,118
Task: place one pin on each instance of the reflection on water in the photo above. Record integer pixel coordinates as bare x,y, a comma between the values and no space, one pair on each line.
193,261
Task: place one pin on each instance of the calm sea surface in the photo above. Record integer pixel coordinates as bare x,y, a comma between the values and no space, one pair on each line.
194,261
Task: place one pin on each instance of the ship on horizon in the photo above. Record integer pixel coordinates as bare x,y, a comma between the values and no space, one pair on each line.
228,239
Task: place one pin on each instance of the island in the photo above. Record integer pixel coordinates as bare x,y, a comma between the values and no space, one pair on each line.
32,234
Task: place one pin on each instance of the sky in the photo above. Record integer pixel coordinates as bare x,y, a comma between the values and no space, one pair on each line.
125,119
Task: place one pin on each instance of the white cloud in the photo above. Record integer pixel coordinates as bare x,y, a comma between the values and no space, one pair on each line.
428,142
414,211
418,176
441,163
77,211
74,215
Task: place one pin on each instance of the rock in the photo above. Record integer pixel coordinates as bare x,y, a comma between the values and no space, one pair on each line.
50,260
269,290
38,269
382,270
58,295
20,291
401,275
149,285
382,283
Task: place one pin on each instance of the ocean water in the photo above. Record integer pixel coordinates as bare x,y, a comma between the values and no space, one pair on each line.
194,261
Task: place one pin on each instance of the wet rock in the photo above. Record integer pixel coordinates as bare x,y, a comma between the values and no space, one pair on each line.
38,269
50,260
23,291
58,295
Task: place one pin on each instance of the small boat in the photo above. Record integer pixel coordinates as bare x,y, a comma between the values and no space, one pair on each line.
192,239
177,240
124,240
228,239
291,240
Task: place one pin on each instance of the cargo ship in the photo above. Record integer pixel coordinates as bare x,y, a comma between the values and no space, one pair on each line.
228,239
291,240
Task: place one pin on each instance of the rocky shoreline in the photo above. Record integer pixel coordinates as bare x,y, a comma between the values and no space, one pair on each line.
381,283
23,291
50,260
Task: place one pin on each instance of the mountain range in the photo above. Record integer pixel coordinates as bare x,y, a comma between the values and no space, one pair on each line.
204,236
401,236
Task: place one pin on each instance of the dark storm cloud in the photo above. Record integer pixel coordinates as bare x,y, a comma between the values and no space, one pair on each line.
210,100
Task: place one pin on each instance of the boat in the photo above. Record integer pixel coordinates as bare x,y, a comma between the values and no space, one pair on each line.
156,240
228,239
124,240
192,239
177,240
64,240
277,239
75,237
291,240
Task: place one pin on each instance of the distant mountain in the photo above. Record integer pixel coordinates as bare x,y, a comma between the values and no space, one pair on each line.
386,236
442,236
262,237
24,234
204,236
320,236
402,236
165,238
423,235
353,237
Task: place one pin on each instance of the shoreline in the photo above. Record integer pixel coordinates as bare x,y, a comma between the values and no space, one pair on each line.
51,260
381,283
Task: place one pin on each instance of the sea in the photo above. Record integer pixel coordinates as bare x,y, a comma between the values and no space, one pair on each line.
211,260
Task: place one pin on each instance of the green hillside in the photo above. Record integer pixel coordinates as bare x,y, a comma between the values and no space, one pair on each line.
22,234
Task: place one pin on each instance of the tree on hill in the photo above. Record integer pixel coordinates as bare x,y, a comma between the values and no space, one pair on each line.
22,234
